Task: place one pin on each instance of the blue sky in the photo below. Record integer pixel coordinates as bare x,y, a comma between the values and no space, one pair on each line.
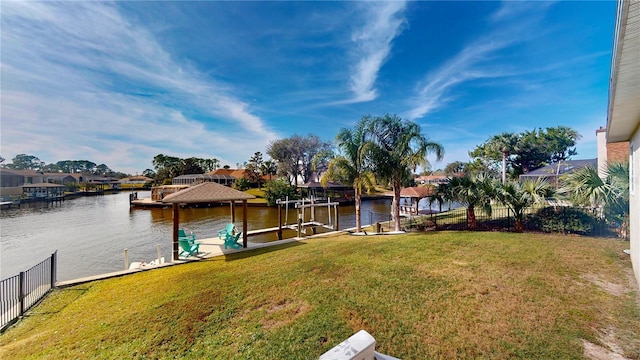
118,83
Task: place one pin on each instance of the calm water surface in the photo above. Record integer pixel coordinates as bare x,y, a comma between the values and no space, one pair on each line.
91,233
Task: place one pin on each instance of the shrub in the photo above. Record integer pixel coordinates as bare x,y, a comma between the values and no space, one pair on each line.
242,184
278,189
563,219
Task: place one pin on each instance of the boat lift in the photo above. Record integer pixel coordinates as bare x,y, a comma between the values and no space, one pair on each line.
302,222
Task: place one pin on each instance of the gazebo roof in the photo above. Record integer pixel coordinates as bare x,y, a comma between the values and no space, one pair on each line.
206,192
416,192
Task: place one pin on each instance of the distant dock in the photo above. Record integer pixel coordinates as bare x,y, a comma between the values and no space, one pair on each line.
9,204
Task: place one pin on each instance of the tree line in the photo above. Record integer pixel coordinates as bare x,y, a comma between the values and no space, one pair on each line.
386,150
32,162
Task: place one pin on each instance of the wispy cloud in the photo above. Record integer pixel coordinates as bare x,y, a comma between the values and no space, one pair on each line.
477,60
85,71
383,23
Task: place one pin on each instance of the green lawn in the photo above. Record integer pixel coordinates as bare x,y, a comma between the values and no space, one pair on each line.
421,295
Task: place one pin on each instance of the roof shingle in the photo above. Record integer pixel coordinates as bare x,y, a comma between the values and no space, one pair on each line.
206,192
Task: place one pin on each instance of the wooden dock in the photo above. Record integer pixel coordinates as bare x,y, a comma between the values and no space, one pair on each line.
292,227
9,204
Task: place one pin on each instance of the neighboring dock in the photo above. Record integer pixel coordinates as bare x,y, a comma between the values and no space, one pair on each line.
148,203
9,204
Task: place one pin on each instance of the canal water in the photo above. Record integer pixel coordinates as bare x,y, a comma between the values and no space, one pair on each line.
91,233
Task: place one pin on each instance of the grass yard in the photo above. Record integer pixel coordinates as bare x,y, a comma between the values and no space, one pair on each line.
421,295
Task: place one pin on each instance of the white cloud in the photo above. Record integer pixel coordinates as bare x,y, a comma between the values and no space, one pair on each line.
383,23
79,80
477,60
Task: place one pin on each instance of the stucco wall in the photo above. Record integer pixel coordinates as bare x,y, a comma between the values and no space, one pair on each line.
601,137
634,204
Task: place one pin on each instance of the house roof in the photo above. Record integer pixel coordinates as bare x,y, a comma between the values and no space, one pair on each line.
236,173
207,192
563,167
205,176
415,192
438,177
221,172
20,172
137,178
57,175
329,185
41,185
624,89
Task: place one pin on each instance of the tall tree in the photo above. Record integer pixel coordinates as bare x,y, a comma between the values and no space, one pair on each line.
284,152
505,144
167,167
208,165
351,166
295,156
102,170
190,166
254,168
528,150
454,168
560,141
397,147
149,173
269,167
26,162
312,145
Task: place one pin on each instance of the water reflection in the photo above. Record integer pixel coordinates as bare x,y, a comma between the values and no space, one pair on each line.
91,233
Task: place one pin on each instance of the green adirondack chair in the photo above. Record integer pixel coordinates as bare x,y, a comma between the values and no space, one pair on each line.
232,241
187,247
222,234
182,235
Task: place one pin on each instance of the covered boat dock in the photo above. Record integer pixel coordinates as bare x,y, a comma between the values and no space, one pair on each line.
208,192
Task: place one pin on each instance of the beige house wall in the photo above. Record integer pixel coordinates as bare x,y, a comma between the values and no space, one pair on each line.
601,138
634,201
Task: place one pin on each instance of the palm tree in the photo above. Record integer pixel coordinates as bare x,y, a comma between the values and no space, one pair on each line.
476,191
518,196
269,167
505,143
397,147
586,187
350,168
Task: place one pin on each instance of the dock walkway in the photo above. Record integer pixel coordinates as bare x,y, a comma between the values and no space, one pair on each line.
209,248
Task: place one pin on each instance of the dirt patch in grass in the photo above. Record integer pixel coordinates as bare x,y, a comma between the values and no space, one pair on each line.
282,312
609,287
596,352
616,341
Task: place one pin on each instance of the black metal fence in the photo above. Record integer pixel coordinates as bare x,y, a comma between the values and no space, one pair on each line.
20,292
550,219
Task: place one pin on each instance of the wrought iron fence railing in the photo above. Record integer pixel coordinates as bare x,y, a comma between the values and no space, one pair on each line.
551,219
20,292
